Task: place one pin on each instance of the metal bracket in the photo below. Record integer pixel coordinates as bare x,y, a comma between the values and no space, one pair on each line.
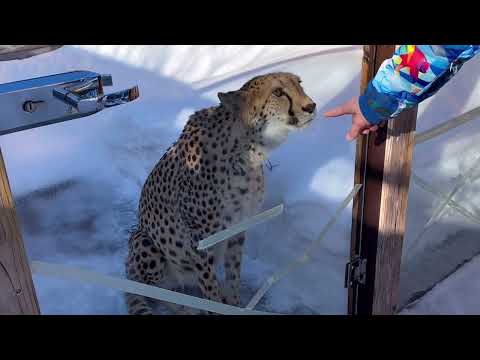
355,272
51,99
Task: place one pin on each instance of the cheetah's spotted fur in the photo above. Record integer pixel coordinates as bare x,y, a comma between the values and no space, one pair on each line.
209,179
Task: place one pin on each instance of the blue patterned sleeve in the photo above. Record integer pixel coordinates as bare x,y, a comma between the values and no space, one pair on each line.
413,74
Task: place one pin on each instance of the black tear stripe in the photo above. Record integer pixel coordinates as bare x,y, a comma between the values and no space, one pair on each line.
290,108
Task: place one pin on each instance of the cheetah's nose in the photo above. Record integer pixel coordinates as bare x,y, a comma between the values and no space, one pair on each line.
310,108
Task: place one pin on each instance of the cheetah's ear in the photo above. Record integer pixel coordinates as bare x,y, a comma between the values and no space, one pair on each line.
239,103
234,100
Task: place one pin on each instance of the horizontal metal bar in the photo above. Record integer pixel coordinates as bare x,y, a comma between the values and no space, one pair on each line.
447,125
240,227
134,287
50,80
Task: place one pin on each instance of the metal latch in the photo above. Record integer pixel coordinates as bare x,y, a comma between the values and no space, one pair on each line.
31,103
355,272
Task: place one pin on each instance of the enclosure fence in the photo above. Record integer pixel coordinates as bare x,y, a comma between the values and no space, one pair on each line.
158,293
154,292
463,179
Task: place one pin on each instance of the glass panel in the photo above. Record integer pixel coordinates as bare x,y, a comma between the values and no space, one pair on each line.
443,213
77,184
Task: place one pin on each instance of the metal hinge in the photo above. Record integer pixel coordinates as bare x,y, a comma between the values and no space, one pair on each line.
355,272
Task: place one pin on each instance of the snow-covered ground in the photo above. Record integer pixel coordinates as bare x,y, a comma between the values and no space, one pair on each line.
456,295
441,162
77,184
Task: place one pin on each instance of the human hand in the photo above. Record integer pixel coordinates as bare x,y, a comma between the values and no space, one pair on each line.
360,125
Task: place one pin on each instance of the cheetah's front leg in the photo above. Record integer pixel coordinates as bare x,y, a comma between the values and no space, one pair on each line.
232,263
207,278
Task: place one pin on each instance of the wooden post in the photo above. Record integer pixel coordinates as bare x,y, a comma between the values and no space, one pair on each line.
383,166
17,293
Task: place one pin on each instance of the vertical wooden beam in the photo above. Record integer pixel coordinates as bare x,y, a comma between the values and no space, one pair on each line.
17,293
383,165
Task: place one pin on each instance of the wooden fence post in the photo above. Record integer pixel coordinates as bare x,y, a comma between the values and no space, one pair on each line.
383,166
17,293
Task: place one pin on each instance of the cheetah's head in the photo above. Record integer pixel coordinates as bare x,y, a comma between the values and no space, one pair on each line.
271,106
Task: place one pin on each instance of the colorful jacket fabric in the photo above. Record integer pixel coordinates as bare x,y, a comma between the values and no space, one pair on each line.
413,74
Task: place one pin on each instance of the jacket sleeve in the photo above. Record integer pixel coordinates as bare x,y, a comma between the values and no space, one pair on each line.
413,74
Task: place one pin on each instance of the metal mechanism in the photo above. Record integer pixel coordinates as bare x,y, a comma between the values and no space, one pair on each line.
51,99
355,272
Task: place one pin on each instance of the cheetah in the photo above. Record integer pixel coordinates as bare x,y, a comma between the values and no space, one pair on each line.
210,179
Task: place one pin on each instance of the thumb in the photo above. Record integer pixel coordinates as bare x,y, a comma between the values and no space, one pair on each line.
354,132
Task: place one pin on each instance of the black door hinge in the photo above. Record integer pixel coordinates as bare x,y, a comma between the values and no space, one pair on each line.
355,272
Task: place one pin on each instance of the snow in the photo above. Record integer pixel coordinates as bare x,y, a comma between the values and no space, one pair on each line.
456,295
452,239
77,184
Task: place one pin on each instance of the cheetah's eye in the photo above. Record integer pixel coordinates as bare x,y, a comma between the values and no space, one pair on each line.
278,92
